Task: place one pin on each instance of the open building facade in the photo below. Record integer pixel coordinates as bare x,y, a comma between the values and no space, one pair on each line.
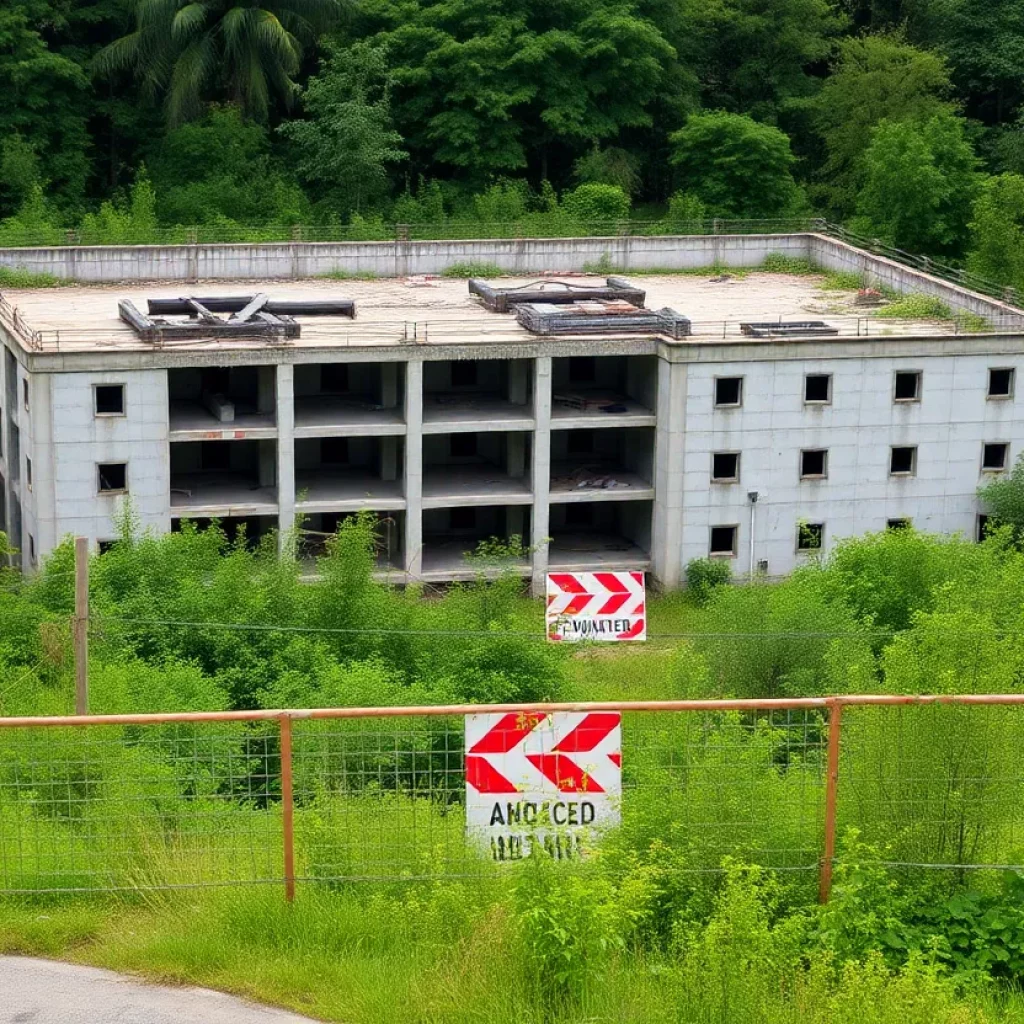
454,423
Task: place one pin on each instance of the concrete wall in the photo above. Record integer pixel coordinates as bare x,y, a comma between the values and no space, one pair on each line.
831,254
948,427
97,264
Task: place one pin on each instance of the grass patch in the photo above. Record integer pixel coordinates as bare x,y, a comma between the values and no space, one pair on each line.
20,277
472,268
842,281
916,307
350,275
780,263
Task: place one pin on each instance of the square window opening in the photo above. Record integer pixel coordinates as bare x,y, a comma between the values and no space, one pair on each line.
810,536
1000,382
725,467
901,523
814,463
109,399
907,387
464,373
462,446
728,391
818,388
105,545
902,461
723,541
113,477
994,456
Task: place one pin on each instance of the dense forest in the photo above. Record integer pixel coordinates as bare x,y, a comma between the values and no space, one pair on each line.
898,118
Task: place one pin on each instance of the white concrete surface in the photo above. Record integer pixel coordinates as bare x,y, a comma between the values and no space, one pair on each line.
47,992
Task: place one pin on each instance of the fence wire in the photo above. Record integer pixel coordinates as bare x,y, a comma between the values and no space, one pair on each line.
157,804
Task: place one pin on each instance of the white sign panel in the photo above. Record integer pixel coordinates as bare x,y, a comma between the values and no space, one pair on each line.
596,606
534,778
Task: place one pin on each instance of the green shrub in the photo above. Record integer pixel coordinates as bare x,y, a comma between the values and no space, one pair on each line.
20,277
916,307
780,263
842,281
595,203
472,268
704,575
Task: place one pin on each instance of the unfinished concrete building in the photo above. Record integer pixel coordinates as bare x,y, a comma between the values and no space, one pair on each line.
601,444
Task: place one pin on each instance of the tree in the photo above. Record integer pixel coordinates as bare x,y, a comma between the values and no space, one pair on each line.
190,50
984,42
736,166
45,104
609,166
485,89
753,55
345,148
997,231
920,180
874,78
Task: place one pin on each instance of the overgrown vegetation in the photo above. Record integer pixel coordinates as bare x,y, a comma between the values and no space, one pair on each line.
679,916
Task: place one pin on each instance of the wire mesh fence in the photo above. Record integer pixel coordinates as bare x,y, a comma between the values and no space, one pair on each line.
338,796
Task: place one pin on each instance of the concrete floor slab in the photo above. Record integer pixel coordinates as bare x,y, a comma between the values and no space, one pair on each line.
448,486
451,414
220,494
566,414
444,558
190,421
325,416
46,992
586,552
326,490
591,482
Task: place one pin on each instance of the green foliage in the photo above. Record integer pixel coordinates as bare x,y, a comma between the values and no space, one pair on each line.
780,263
920,182
1004,498
20,277
595,202
683,209
346,147
736,166
842,280
997,231
875,78
704,576
916,306
610,166
472,268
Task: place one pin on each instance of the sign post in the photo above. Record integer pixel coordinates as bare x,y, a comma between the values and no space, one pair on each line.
607,606
549,779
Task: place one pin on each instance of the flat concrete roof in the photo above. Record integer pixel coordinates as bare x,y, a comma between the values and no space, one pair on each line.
403,312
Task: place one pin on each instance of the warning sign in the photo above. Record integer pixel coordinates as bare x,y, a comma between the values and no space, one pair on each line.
533,778
596,606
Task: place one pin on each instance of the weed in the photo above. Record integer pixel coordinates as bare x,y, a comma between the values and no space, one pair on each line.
780,263
472,268
916,306
603,266
350,275
21,277
842,281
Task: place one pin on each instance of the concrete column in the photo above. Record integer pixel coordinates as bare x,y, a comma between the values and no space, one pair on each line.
541,470
518,381
389,385
266,386
669,454
414,468
515,453
389,458
286,448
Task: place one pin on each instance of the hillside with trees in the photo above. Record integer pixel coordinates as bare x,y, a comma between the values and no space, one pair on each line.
140,120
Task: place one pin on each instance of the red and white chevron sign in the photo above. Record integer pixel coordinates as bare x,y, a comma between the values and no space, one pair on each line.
552,779
596,606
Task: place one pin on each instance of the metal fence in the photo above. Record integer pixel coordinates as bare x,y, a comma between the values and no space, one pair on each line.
334,796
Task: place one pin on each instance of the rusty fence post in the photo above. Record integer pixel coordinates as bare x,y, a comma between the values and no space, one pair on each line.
835,720
287,808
